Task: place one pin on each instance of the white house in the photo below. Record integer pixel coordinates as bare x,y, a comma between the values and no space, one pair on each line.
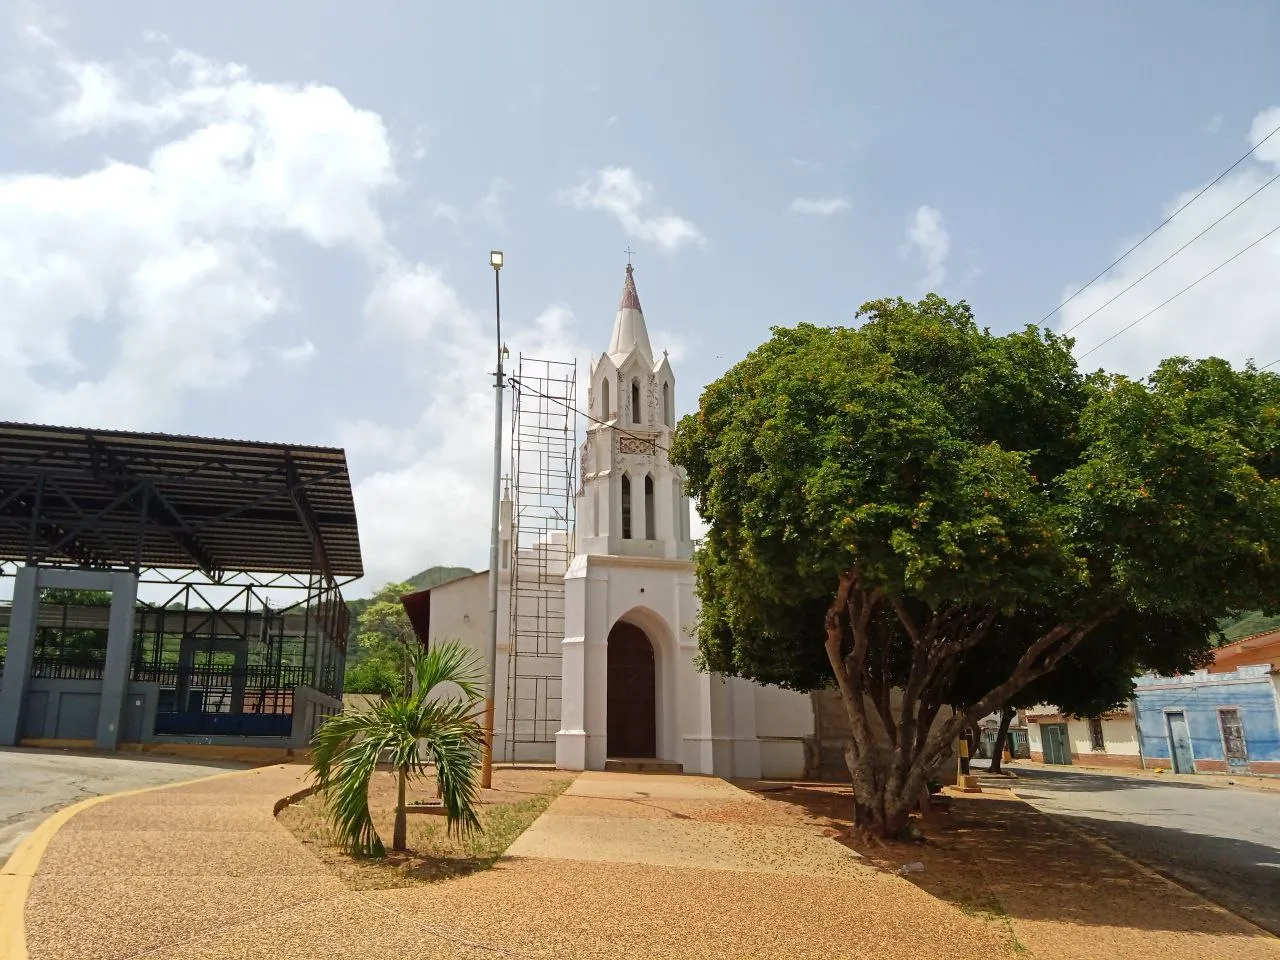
622,685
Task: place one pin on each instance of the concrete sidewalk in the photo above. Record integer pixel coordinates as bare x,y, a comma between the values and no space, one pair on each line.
618,867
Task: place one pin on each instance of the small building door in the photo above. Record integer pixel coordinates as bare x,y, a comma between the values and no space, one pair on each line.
1057,748
1233,745
1180,743
631,694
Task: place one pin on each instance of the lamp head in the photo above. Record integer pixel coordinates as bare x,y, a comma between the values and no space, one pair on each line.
495,259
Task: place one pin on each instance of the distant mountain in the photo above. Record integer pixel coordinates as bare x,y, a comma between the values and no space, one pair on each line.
423,580
1248,625
434,576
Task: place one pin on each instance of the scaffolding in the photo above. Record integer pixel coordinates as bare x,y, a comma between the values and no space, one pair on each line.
544,447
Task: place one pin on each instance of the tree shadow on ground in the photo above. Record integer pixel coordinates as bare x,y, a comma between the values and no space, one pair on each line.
998,856
1064,779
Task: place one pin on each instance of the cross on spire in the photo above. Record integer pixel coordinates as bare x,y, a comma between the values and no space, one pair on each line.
628,252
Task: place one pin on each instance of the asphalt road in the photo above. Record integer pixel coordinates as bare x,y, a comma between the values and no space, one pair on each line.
35,783
1225,843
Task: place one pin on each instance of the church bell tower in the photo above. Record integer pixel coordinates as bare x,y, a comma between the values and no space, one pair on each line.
631,500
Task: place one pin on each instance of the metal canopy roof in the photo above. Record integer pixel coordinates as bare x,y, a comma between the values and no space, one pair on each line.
105,498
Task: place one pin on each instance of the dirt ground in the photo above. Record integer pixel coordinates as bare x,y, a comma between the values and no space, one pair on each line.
516,800
1055,894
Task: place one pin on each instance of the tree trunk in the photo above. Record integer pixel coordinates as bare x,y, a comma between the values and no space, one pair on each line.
399,840
1002,734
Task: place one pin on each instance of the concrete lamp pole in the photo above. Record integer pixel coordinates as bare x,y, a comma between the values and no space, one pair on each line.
486,769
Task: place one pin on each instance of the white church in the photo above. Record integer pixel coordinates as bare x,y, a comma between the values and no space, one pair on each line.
617,683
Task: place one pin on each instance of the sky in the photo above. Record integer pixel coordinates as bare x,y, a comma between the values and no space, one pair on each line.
273,221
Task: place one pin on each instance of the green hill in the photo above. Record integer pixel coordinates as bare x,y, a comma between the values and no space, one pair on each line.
1248,625
435,576
423,580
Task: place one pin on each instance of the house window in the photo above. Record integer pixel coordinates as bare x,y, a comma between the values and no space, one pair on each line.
635,401
604,400
1096,740
626,507
648,509
666,404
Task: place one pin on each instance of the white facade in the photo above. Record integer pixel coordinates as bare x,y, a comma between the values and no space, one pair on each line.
632,567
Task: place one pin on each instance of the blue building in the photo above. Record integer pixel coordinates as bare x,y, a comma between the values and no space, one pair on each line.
1225,722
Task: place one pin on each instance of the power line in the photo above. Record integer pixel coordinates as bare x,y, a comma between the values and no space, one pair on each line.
1089,316
582,413
1179,293
1162,225
1269,365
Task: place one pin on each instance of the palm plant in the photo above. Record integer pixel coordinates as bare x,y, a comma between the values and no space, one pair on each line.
346,748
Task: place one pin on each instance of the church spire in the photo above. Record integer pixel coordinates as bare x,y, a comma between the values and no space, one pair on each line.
629,331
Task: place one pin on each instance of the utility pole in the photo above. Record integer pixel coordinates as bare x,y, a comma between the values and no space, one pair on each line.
486,769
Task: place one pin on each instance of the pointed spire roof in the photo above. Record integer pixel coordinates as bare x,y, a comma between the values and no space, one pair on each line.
629,331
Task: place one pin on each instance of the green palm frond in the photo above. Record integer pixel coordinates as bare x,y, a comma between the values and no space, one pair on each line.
346,748
449,663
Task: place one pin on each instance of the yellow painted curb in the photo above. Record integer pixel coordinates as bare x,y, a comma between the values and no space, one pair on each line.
19,870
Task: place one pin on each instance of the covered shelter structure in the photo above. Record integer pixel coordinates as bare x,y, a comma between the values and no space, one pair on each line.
171,589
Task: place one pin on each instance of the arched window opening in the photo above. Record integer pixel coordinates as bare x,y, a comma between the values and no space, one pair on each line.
595,511
626,507
649,533
666,404
635,401
604,400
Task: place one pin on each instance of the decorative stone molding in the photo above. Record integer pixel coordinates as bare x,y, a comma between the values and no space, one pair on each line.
637,445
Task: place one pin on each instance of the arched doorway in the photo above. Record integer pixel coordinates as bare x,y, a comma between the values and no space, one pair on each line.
632,694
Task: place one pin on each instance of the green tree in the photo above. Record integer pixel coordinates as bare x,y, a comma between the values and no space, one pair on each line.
889,503
346,748
380,656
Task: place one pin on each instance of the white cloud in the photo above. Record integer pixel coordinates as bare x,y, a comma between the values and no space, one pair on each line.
299,354
125,287
172,259
612,121
676,344
434,507
487,209
1234,314
812,166
377,441
490,206
824,207
446,211
619,192
931,241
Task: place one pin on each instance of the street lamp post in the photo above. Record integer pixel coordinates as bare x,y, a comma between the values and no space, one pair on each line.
486,770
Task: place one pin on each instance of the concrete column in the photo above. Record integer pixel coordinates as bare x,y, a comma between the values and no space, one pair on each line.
571,738
595,668
186,664
23,619
238,678
746,741
115,672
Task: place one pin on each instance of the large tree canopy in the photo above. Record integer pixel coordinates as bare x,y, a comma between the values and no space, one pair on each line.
918,505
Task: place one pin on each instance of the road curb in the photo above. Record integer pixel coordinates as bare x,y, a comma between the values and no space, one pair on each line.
1146,869
19,870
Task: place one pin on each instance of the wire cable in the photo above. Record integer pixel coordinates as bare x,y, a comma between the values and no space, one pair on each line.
1193,283
1089,316
515,382
1161,226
